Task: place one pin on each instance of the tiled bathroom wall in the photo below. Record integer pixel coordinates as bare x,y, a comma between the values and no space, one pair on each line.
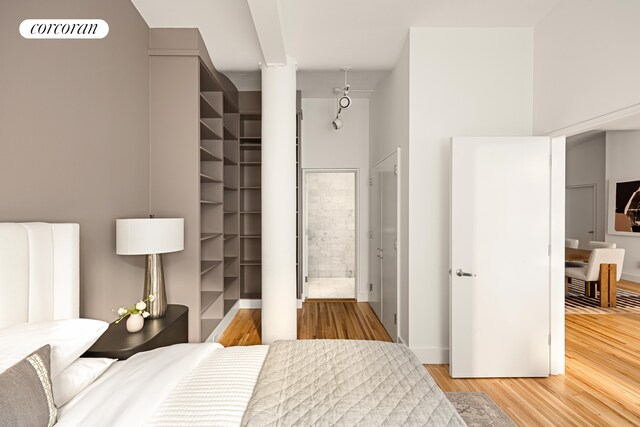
331,224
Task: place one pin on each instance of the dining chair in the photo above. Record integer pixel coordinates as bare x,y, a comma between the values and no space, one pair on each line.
595,245
590,273
571,243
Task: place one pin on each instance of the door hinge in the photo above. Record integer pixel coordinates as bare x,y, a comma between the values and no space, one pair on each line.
549,340
395,170
395,318
370,287
548,250
395,244
306,279
370,181
371,234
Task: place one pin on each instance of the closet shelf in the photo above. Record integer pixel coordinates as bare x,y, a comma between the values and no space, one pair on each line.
250,188
250,262
229,236
251,236
207,110
210,202
207,236
229,135
207,178
207,266
207,298
228,161
208,156
227,187
251,212
206,132
250,146
228,260
251,163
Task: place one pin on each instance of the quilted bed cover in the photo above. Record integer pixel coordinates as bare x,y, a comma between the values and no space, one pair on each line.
345,382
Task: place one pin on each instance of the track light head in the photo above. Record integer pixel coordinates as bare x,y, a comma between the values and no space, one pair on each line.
337,123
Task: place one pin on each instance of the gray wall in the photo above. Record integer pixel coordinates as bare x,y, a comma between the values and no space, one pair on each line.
586,165
74,136
331,224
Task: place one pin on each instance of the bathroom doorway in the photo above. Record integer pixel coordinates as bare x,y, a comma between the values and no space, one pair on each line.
330,230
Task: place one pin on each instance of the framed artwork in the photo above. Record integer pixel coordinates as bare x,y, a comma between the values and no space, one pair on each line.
624,207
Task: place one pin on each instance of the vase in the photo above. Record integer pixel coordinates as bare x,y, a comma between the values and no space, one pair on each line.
135,322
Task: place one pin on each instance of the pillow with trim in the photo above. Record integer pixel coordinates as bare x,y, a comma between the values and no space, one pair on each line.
26,395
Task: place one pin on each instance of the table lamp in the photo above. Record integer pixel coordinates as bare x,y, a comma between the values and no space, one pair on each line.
151,237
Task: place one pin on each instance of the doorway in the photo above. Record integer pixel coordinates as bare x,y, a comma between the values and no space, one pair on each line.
330,230
581,213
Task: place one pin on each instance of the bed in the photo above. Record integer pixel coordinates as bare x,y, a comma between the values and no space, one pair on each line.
306,382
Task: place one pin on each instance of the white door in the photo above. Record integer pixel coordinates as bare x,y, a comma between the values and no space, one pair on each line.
580,214
383,295
500,266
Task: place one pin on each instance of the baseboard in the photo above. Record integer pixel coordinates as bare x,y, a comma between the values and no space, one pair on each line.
257,303
224,323
631,277
401,341
431,355
363,297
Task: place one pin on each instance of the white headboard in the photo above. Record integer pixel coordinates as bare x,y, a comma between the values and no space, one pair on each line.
39,272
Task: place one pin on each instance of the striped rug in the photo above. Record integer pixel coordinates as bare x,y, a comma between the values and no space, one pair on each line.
577,303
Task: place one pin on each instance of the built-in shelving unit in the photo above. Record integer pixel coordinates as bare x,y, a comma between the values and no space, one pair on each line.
211,203
194,128
250,193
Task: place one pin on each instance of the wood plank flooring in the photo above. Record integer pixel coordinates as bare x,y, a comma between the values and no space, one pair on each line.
601,386
318,319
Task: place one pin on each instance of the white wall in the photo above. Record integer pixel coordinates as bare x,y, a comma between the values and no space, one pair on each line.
623,152
587,62
585,164
347,148
463,82
389,126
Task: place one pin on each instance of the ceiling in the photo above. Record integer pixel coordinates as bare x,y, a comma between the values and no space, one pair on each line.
325,35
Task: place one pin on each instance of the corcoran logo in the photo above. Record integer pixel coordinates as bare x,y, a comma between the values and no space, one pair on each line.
64,29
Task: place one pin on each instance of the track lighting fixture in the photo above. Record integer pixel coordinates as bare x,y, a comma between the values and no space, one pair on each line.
344,101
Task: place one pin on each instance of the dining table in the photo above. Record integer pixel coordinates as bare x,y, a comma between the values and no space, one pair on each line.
607,279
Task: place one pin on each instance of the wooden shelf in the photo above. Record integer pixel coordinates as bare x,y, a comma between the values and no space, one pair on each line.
207,326
250,139
229,135
228,304
251,212
251,163
207,266
251,188
229,236
207,236
228,161
207,110
250,146
207,178
208,156
230,212
207,298
251,262
251,236
251,295
207,133
210,202
227,187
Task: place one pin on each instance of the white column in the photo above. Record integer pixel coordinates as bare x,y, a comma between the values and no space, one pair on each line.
279,314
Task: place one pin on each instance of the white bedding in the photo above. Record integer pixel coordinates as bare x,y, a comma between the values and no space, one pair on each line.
131,392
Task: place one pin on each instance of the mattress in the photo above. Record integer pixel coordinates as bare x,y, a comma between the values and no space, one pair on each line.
347,383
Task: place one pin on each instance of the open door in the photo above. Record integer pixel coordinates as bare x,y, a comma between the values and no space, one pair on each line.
500,265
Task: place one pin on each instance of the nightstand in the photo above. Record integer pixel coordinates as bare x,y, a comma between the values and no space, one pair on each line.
118,343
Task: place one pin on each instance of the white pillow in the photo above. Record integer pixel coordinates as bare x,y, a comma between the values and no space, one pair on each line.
68,339
78,376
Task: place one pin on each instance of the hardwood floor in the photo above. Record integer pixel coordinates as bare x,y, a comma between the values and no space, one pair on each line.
319,319
629,286
601,386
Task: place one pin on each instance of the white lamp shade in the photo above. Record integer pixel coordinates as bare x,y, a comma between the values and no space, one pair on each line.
149,236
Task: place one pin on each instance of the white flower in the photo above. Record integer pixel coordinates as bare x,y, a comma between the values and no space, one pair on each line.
151,298
121,311
145,314
141,305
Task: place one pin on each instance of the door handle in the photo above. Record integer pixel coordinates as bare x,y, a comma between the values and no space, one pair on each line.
461,273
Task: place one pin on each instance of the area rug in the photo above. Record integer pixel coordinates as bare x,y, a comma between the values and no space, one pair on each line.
577,303
479,410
